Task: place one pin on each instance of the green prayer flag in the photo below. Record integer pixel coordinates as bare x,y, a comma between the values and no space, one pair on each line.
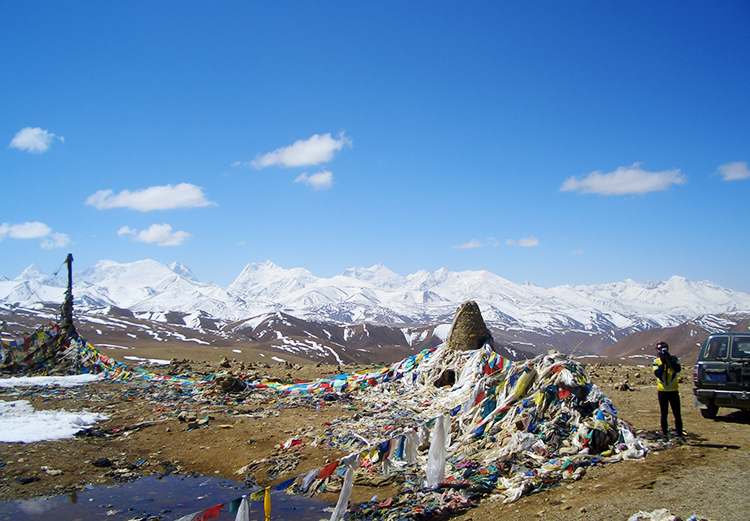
234,506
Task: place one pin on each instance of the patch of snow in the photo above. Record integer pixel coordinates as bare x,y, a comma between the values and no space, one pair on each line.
335,354
182,337
156,336
442,331
47,381
104,322
113,346
20,423
155,361
414,337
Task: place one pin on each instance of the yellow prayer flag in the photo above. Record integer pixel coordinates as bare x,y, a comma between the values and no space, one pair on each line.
258,495
267,504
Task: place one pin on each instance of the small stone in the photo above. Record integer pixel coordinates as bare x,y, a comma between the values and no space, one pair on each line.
185,416
26,481
102,462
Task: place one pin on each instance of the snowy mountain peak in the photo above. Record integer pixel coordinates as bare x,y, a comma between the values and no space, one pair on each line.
183,271
378,275
268,270
31,273
260,266
267,280
139,273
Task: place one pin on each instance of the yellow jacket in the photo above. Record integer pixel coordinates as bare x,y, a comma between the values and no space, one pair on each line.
666,374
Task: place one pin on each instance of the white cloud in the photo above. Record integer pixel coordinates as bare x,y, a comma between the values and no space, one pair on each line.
159,234
473,244
318,149
319,181
183,195
528,242
55,240
34,140
126,230
34,230
623,181
734,171
470,245
27,230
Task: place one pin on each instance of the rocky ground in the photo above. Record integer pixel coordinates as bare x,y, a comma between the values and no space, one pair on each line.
238,437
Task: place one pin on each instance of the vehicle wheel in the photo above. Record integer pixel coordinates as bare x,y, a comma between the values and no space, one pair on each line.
710,411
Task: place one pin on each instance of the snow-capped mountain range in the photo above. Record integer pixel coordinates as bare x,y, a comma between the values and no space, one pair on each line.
517,314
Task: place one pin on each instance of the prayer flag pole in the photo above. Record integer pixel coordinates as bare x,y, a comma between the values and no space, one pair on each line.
67,309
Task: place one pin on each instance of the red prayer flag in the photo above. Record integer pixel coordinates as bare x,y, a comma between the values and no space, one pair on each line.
211,513
328,470
383,504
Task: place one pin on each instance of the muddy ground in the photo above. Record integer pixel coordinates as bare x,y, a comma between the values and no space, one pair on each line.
706,476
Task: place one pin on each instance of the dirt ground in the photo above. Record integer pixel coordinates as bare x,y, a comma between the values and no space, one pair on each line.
706,476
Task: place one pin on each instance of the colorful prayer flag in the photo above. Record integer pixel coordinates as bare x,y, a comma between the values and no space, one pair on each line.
267,505
211,513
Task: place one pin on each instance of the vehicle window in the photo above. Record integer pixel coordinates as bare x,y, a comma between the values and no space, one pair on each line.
741,347
717,347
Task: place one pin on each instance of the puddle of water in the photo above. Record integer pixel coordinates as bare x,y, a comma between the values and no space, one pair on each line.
169,498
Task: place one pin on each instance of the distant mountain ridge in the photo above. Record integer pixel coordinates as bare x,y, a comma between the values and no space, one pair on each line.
589,318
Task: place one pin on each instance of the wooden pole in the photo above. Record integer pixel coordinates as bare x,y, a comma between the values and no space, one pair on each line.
67,311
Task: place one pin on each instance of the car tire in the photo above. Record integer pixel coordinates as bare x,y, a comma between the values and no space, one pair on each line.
710,411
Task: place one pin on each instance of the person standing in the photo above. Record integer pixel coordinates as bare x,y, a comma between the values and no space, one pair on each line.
666,368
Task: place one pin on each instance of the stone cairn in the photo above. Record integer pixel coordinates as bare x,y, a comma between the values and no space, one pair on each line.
468,331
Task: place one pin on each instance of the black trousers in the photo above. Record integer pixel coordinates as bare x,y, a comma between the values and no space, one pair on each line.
669,399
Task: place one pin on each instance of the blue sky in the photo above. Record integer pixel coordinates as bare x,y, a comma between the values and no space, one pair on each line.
559,143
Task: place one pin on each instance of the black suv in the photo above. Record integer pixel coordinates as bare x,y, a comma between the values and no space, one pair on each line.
722,374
